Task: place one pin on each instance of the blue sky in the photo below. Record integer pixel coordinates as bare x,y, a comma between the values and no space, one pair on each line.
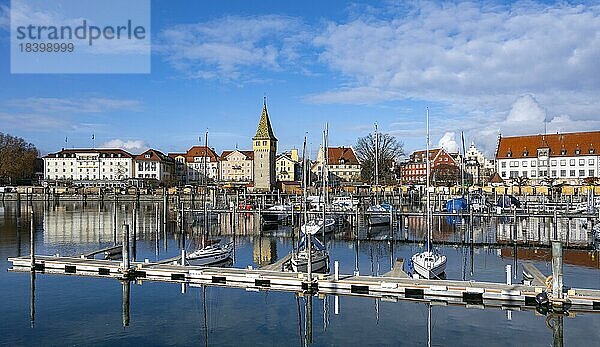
482,68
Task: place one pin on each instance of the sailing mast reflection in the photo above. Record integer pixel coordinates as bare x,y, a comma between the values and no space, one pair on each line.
125,302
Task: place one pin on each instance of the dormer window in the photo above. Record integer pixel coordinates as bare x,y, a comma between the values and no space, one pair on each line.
577,151
525,153
592,151
147,156
563,152
509,154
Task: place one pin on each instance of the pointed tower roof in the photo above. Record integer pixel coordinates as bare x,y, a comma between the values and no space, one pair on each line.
264,131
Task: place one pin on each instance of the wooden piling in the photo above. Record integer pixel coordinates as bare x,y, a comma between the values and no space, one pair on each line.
557,269
32,241
125,251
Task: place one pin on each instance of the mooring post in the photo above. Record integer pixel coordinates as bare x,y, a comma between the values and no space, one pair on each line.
18,206
509,275
125,303
32,241
557,269
183,257
165,203
336,268
125,250
114,219
134,233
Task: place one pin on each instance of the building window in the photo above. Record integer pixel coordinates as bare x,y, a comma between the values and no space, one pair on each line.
563,173
591,173
581,162
577,151
533,163
509,154
581,173
533,173
503,164
590,161
563,162
563,152
592,151
572,162
572,173
553,162
524,164
553,173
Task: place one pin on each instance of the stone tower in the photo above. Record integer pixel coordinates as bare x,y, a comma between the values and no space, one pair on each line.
264,145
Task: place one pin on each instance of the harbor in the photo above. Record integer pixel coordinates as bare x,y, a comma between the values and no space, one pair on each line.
367,263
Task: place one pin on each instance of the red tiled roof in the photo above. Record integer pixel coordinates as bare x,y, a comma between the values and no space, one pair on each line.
155,155
201,151
249,154
108,151
341,155
559,144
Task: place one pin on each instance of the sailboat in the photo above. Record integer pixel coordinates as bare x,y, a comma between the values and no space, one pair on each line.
429,264
378,214
213,251
311,255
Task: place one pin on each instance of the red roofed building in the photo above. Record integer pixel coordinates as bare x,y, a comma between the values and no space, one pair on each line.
195,158
568,158
414,171
153,164
341,162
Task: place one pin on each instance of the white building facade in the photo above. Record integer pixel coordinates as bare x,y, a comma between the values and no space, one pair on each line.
564,158
88,165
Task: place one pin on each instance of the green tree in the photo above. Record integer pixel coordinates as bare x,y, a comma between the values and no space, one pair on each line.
17,158
389,151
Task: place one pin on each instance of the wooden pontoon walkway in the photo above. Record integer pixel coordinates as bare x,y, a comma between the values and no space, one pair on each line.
388,287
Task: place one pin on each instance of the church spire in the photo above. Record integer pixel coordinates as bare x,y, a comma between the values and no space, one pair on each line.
264,131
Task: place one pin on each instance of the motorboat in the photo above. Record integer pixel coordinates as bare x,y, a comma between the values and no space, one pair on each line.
315,226
379,214
277,214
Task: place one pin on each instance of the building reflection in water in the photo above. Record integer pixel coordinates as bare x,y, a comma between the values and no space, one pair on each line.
573,232
264,250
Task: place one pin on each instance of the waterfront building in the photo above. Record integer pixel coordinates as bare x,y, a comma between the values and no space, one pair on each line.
414,170
89,166
237,166
180,167
561,158
194,163
264,146
287,166
154,165
342,163
478,166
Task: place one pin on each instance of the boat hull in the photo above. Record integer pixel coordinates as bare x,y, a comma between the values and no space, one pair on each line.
210,256
320,263
378,220
429,270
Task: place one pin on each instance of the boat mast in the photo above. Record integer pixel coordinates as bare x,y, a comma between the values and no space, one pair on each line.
427,183
376,165
323,188
305,197
205,234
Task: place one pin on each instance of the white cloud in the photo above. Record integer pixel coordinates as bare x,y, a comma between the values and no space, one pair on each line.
133,146
448,142
71,105
221,48
493,68
526,109
29,121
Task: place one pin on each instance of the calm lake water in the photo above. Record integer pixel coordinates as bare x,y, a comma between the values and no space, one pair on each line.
69,310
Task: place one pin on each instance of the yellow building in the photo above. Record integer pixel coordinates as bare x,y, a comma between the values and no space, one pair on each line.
237,166
287,166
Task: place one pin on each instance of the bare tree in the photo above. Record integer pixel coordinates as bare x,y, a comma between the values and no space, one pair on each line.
17,158
390,150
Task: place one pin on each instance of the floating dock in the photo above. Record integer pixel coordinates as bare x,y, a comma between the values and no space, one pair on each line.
395,285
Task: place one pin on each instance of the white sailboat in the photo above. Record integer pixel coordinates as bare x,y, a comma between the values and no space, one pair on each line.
311,255
429,264
210,252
